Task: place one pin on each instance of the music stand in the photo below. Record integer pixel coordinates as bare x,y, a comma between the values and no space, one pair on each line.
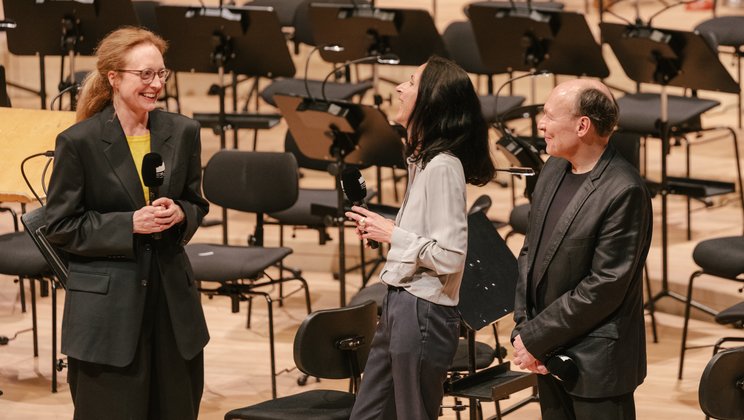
242,40
342,133
667,58
486,295
532,38
83,25
363,31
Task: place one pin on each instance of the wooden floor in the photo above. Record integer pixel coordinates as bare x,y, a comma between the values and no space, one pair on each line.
237,360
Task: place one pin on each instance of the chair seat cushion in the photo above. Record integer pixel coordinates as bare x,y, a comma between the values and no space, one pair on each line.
316,405
21,257
723,257
484,356
728,30
731,315
213,262
333,90
640,112
492,108
299,214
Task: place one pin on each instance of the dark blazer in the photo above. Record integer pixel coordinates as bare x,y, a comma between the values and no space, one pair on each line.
593,301
93,193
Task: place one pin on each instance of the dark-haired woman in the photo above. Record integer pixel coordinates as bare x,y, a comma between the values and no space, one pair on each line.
418,331
133,326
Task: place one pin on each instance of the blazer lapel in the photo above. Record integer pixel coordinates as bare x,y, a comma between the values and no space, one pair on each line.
160,134
117,152
568,216
541,211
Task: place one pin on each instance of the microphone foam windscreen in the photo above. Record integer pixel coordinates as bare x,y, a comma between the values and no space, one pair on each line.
153,170
352,182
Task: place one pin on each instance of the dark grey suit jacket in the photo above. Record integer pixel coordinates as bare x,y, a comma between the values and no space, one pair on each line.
593,302
93,194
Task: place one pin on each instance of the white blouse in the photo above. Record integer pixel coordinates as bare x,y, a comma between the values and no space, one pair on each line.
430,238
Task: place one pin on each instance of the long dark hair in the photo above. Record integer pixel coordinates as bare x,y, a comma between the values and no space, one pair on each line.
447,118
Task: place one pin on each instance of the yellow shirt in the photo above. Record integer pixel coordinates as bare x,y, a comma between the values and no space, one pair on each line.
140,146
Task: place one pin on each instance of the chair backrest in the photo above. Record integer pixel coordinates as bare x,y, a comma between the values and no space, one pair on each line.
257,182
721,390
35,224
459,40
629,146
323,335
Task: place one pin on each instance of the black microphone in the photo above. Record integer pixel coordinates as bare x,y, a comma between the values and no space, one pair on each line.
563,368
355,189
517,170
153,172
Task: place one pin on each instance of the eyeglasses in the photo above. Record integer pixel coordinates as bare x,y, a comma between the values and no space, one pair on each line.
148,75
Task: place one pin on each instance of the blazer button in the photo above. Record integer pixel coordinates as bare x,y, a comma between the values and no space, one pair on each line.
144,283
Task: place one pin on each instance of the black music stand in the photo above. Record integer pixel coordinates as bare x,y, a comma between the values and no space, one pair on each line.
63,27
667,58
242,40
364,30
535,39
342,133
486,295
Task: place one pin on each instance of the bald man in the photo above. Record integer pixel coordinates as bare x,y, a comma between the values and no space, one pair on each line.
579,299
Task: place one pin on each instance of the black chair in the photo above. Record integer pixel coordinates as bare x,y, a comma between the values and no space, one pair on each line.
303,34
330,344
719,257
721,389
21,259
256,182
459,40
639,114
728,32
35,224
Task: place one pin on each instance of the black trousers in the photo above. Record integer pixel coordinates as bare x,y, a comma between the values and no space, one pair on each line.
411,352
557,404
158,385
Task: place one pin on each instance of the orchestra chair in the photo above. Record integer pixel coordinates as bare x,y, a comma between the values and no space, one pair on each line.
255,182
723,258
721,389
728,33
330,344
459,40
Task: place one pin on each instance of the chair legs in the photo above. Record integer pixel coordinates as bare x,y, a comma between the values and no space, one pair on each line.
651,304
688,306
270,307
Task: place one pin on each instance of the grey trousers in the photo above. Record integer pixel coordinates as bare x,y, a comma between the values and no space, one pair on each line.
411,352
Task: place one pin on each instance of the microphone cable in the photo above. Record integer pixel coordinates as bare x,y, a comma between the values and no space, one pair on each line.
50,155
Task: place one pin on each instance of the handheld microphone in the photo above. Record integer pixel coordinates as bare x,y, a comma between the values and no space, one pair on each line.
562,368
153,172
355,189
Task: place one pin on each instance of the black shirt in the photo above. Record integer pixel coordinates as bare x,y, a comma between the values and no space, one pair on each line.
563,196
